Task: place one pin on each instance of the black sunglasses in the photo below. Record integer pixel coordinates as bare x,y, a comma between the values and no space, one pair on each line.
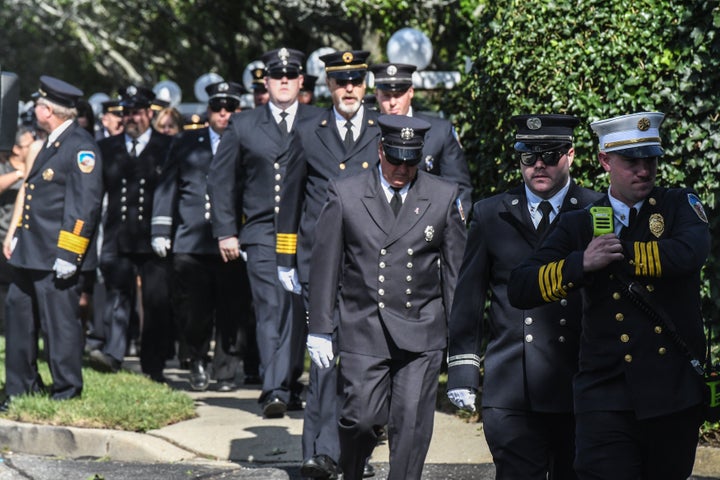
279,74
355,82
229,104
550,158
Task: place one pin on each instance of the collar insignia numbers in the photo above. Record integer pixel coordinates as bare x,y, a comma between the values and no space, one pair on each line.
429,232
407,133
391,70
643,124
48,174
657,224
223,87
347,57
417,211
697,207
132,91
534,123
429,163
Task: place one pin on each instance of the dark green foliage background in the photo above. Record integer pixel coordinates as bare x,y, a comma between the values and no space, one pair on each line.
597,59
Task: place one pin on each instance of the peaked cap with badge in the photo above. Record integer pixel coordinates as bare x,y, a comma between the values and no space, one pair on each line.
258,78
393,77
346,65
636,135
543,132
58,91
225,90
283,60
112,106
403,136
135,96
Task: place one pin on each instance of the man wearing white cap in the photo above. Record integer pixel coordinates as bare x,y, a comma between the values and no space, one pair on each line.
636,257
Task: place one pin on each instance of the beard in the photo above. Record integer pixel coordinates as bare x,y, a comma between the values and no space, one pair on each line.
348,109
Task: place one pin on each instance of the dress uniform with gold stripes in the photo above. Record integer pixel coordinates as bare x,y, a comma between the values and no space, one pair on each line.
637,397
63,194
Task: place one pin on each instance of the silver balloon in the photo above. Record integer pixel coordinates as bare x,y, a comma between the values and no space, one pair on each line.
410,46
247,73
203,81
315,66
168,91
96,100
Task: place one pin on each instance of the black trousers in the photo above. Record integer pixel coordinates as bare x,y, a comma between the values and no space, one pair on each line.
120,272
40,304
618,446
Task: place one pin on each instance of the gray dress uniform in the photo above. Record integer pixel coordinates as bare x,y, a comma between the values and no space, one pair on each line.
395,276
63,193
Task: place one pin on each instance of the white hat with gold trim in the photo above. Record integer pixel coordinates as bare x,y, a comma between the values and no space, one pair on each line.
636,135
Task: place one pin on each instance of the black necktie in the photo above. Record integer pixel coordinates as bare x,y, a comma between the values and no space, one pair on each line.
545,208
282,124
396,201
349,140
133,149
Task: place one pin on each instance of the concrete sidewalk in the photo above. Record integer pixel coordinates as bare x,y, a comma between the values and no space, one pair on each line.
230,428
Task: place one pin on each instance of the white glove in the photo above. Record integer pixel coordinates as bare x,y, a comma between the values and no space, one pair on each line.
64,269
289,279
243,255
161,246
320,349
463,398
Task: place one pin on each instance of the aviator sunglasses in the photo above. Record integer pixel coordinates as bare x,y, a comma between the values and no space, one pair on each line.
229,104
550,158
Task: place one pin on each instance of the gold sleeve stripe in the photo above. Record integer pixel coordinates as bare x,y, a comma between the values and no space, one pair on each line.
73,243
550,281
647,259
286,243
78,227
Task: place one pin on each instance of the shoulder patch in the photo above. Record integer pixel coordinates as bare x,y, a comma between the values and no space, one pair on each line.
697,206
86,161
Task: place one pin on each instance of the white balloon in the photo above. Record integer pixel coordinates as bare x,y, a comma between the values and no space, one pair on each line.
169,91
410,46
315,66
203,81
96,100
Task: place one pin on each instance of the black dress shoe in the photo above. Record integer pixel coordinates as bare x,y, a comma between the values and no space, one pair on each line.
369,470
103,363
226,386
319,466
5,405
199,379
295,403
274,408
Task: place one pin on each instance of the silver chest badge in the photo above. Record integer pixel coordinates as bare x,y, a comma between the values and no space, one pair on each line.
429,231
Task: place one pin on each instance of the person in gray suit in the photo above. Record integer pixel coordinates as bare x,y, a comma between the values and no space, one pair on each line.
387,260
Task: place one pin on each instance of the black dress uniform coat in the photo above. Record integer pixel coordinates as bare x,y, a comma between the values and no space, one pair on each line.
531,354
443,156
627,361
391,280
63,194
316,155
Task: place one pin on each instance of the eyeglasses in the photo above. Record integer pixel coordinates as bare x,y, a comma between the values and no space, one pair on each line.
410,162
344,82
550,158
229,104
279,74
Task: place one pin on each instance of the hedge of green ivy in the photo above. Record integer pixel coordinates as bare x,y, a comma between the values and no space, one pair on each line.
597,59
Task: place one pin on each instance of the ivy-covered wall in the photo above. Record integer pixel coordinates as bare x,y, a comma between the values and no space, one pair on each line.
597,59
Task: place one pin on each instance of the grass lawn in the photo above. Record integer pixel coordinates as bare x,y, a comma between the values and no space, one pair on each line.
120,401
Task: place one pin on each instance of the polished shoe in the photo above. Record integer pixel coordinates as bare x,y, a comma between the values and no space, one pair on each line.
199,378
133,349
226,386
103,363
295,403
319,466
274,408
251,379
368,470
5,405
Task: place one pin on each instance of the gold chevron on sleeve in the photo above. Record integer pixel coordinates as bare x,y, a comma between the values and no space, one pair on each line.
72,242
286,243
647,259
550,281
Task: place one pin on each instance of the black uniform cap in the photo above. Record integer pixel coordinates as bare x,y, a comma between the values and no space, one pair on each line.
346,65
225,90
394,77
544,132
309,83
283,60
403,137
58,91
135,96
112,106
258,78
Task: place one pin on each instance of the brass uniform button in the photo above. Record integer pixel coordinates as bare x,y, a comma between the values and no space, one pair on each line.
628,358
619,317
624,338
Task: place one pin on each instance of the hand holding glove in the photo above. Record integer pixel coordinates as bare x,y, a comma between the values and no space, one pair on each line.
320,348
463,398
64,269
289,279
161,246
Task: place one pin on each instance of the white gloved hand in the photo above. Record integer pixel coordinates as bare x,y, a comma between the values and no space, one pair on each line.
161,246
320,348
463,398
289,279
64,269
243,255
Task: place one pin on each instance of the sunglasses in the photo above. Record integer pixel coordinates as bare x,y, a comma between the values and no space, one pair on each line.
279,74
356,82
550,158
229,104
410,162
